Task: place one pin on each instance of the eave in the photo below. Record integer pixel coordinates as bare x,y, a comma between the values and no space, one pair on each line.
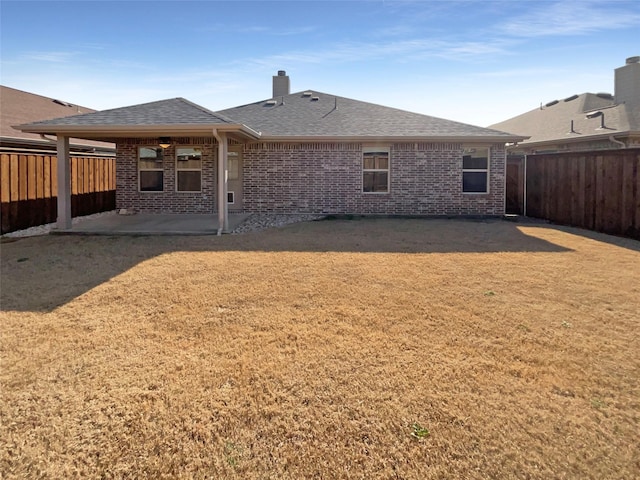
393,139
577,138
109,132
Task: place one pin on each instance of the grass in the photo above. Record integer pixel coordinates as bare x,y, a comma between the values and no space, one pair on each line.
343,349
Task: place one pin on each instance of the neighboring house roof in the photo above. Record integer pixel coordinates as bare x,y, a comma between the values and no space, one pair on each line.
586,121
553,122
164,117
316,115
19,107
295,116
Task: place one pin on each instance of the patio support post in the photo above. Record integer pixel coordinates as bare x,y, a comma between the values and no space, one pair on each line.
223,208
64,184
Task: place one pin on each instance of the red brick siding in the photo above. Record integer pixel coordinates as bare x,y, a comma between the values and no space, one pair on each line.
168,201
425,179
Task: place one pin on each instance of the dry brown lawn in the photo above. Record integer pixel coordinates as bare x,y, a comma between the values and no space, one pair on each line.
408,349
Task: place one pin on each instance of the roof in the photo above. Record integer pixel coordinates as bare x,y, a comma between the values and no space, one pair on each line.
297,116
163,117
175,111
553,121
317,115
19,107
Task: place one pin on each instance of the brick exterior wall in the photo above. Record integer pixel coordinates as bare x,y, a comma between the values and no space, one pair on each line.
168,201
425,179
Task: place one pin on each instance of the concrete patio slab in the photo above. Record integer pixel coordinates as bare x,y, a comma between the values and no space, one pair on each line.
152,224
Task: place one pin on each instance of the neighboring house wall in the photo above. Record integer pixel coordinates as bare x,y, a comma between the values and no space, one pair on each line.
129,197
425,179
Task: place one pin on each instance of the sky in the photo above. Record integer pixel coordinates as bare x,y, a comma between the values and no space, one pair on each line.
477,62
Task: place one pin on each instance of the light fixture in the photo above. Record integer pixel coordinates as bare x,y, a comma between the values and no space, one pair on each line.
164,142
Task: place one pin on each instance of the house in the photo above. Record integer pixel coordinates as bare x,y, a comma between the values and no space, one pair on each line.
585,122
303,152
19,107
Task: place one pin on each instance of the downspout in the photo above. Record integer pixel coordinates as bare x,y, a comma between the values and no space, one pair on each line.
612,139
524,189
43,136
222,181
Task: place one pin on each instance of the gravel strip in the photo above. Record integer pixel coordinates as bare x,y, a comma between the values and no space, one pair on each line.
262,221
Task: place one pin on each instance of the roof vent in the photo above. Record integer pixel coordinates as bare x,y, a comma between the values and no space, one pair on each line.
572,97
606,96
64,104
315,99
307,94
281,73
631,60
552,103
270,103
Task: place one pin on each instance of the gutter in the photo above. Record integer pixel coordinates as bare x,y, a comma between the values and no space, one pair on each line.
612,139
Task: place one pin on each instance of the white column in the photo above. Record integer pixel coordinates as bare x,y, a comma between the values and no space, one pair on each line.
223,214
64,184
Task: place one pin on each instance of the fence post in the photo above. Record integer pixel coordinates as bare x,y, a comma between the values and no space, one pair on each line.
64,184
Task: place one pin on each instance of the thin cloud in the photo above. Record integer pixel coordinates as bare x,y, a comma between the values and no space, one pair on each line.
260,29
572,18
394,51
52,57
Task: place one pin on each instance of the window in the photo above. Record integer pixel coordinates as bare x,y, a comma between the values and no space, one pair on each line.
150,169
233,166
475,170
375,170
188,169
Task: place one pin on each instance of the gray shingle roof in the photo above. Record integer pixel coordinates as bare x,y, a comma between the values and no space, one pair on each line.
553,122
175,111
325,115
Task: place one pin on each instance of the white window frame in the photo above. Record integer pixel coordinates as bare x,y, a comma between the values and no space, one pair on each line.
151,147
178,170
374,149
469,149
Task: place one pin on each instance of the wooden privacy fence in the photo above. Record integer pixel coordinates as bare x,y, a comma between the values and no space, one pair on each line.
29,188
594,190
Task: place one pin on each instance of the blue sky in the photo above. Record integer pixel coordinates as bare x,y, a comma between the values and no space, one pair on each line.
477,62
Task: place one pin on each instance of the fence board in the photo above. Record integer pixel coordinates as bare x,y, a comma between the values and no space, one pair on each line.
5,178
29,185
595,190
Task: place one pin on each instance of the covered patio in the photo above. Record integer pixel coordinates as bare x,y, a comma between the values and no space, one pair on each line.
152,224
156,123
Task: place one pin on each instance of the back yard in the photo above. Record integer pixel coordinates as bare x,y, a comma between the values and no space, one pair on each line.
335,349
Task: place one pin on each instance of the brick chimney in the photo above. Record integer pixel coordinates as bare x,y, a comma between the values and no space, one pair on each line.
281,84
627,82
